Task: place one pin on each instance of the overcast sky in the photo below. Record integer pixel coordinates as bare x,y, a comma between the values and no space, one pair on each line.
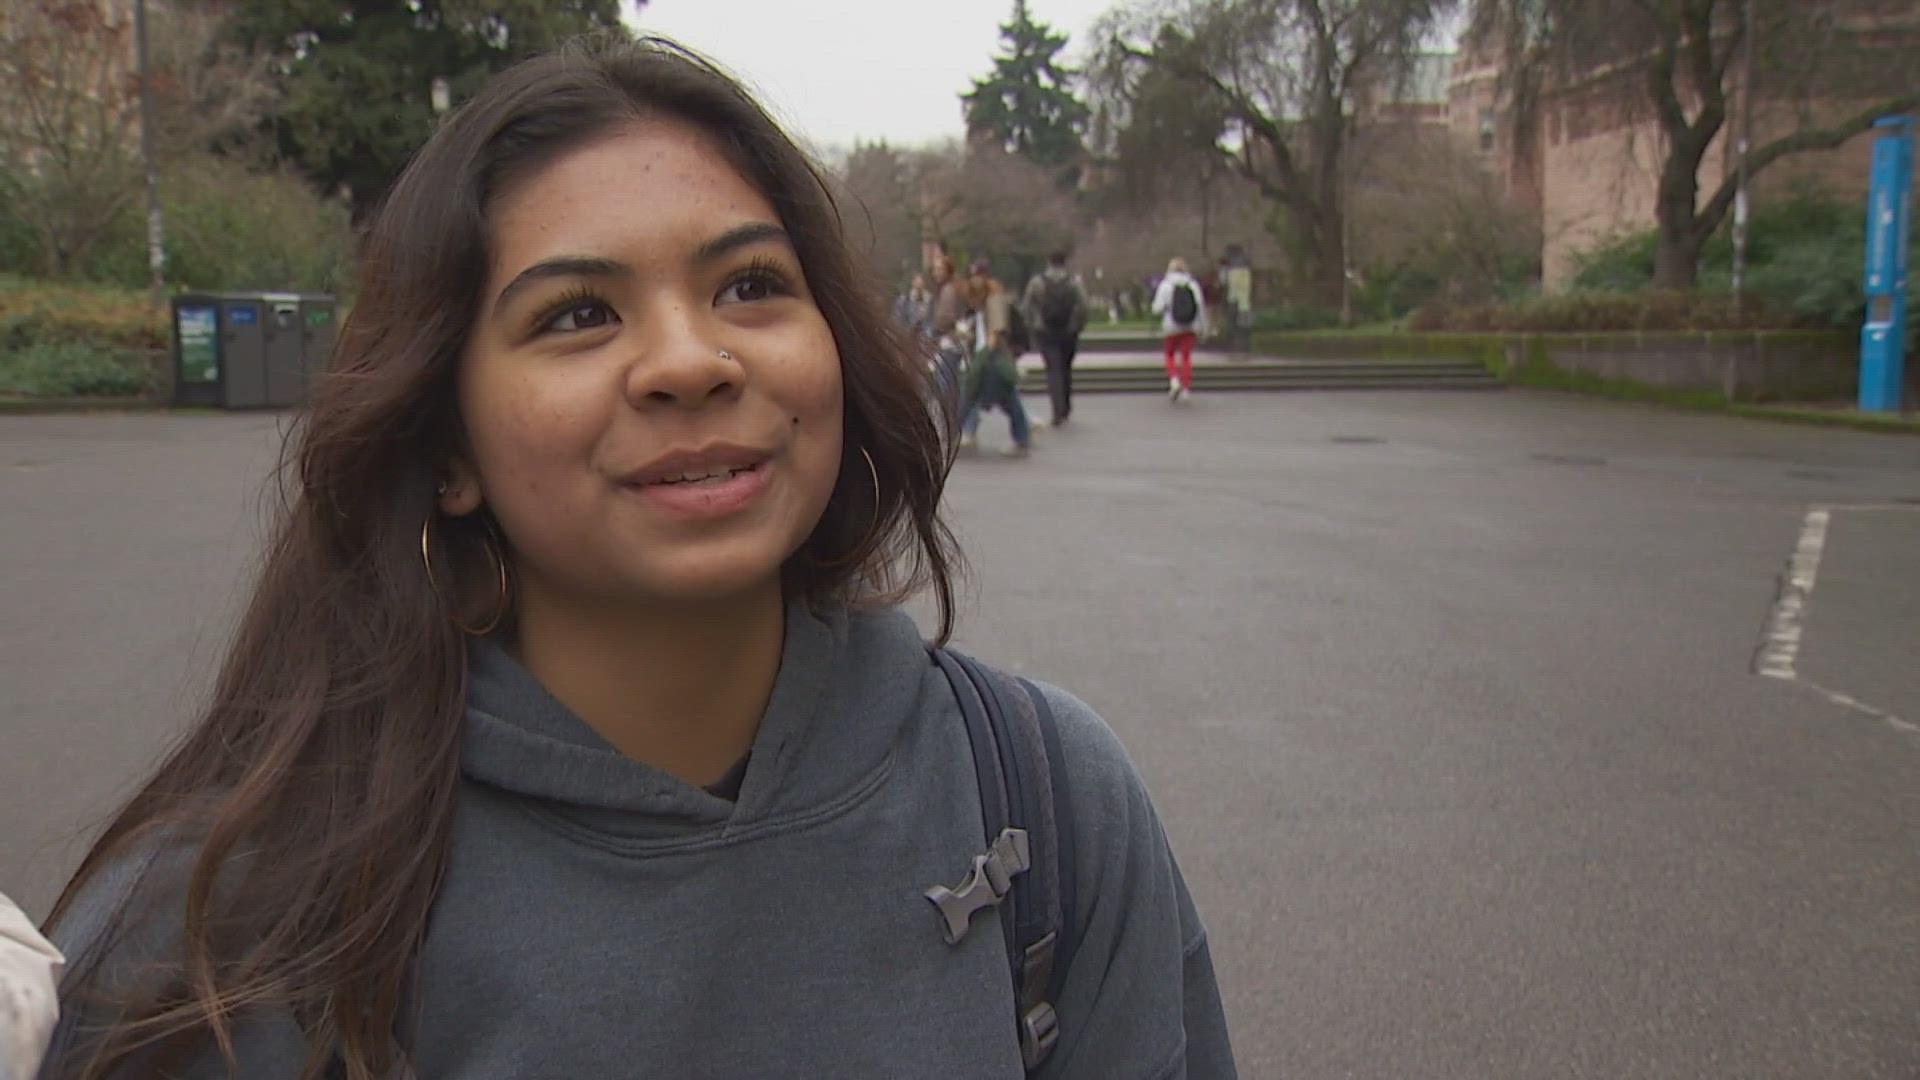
840,70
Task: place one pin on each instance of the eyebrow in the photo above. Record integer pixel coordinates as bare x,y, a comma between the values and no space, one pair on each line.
756,232
562,266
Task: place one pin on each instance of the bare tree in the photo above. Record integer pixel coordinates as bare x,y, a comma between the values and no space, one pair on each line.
881,209
69,134
1823,72
1274,87
209,92
1423,209
1131,242
67,131
984,201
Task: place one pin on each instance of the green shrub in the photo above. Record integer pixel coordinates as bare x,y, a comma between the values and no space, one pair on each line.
231,228
65,369
1301,317
1391,292
1626,265
36,313
1806,254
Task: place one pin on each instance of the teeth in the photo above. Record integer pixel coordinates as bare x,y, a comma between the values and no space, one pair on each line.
696,478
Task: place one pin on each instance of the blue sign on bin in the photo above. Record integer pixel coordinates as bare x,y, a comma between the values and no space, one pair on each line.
243,315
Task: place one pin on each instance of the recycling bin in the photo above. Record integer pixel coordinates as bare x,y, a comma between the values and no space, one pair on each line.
253,350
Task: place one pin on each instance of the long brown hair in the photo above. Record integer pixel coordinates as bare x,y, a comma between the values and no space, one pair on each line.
303,823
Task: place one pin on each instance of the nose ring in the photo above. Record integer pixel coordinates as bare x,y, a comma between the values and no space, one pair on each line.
725,355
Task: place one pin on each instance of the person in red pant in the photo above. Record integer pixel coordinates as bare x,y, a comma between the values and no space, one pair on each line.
1183,318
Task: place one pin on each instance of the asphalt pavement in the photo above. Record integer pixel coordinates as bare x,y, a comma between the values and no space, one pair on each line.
1449,702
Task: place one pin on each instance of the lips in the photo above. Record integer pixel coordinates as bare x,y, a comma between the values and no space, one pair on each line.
715,463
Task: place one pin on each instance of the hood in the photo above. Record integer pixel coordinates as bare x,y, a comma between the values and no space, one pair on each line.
847,685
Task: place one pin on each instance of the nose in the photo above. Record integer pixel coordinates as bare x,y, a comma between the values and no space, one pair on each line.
685,368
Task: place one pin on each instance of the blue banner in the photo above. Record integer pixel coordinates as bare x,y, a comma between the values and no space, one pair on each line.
1889,225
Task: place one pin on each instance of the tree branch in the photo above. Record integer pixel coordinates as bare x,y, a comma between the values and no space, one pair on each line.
1243,110
1715,210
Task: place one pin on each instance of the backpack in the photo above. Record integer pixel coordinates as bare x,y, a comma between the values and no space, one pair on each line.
1019,334
1059,301
1027,869
1186,306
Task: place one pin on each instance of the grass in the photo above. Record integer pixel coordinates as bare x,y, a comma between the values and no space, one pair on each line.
1904,423
1543,378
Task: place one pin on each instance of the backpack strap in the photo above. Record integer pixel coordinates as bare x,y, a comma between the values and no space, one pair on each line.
1027,870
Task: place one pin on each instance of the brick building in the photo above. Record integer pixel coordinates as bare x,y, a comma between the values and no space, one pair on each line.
1588,163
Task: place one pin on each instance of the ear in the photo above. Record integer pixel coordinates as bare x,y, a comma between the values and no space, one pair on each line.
459,493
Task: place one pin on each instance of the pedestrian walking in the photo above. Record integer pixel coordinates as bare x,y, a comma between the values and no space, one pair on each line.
29,971
950,355
953,327
1183,318
573,728
1056,308
950,300
993,382
914,308
1239,301
993,308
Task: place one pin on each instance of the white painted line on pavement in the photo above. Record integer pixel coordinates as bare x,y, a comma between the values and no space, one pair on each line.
1781,646
1848,701
1782,642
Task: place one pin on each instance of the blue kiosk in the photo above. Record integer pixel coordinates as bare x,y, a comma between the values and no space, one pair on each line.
1883,338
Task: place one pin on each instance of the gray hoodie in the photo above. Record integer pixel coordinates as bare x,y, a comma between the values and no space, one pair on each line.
600,918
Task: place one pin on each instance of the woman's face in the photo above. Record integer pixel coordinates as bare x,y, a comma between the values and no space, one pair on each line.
651,395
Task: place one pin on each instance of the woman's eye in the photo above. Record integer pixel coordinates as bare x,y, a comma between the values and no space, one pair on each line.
749,289
586,315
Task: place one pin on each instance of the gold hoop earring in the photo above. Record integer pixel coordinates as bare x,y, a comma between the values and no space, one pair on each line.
499,561
872,531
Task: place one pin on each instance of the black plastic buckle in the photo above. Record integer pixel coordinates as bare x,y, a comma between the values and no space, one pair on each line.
1039,1030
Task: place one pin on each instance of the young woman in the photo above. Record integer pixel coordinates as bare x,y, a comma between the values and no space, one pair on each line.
1182,307
571,731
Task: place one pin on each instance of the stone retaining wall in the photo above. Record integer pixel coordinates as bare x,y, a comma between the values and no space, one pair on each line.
1744,366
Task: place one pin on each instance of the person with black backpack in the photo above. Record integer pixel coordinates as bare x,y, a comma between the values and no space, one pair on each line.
1183,318
1056,308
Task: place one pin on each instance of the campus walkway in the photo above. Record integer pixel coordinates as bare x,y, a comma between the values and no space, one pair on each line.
1449,702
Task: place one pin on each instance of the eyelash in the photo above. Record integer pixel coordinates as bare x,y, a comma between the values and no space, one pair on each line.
761,268
765,269
574,297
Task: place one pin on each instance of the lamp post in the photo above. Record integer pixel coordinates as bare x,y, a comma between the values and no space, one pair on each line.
156,230
1740,204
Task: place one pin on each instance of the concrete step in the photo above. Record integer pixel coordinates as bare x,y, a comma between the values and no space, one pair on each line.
1278,375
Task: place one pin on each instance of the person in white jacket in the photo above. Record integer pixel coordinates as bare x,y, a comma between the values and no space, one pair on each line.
29,974
1182,307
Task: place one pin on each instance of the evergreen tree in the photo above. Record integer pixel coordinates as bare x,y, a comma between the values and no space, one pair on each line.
1025,106
357,78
